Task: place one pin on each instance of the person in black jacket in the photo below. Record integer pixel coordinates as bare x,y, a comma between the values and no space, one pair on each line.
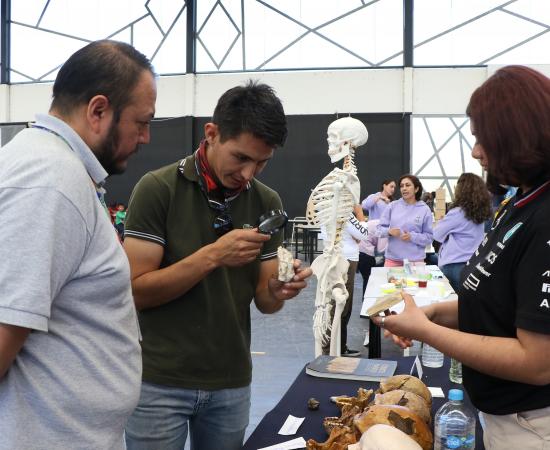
500,326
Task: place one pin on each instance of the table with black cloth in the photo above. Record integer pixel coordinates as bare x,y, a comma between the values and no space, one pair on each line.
306,386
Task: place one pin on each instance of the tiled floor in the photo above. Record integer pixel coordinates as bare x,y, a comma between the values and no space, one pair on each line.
282,344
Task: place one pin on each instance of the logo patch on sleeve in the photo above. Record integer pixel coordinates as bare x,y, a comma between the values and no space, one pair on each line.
511,231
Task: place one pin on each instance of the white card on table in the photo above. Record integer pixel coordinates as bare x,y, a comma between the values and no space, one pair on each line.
288,445
291,425
436,392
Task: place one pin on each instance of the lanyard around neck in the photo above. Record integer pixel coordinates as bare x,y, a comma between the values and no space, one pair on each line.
100,190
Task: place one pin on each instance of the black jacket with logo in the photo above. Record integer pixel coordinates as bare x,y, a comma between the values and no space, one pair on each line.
505,286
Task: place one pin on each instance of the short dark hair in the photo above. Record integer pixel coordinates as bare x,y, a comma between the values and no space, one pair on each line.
473,197
104,67
510,113
416,183
253,108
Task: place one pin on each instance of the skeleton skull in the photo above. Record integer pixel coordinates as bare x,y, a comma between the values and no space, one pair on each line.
343,134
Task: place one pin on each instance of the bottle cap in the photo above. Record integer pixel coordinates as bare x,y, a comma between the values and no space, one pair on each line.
456,394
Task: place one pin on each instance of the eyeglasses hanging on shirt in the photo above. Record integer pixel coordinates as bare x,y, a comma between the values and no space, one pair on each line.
217,198
223,223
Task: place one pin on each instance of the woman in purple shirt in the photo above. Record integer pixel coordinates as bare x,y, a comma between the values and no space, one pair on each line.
461,230
375,204
407,223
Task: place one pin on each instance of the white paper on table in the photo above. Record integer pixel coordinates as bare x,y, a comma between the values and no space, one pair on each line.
288,445
436,392
291,425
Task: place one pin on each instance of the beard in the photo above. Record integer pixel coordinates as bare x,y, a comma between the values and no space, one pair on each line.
106,152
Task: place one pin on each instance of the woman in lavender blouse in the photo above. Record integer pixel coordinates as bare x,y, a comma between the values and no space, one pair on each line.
375,204
461,230
407,223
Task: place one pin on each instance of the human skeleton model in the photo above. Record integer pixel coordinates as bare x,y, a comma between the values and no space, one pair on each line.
330,205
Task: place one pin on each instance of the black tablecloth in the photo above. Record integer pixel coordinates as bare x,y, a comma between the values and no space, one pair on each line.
305,386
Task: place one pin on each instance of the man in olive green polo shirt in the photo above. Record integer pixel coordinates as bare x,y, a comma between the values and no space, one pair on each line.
196,267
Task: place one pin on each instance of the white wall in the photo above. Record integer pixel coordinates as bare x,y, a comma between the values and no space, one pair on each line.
445,91
4,103
418,90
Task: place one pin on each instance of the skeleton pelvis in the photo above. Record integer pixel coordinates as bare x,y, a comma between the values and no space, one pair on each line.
330,269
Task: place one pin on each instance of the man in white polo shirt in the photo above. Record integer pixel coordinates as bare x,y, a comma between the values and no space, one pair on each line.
70,362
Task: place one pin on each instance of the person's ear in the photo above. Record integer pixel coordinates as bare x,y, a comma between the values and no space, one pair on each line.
211,132
99,113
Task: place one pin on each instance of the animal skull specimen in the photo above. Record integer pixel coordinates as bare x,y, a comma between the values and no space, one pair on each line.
330,205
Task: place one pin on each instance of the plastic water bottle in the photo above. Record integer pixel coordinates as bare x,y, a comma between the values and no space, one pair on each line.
455,424
455,372
407,267
431,357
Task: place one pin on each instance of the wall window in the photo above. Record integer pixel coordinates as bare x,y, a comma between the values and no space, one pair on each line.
473,32
282,34
258,35
441,151
45,33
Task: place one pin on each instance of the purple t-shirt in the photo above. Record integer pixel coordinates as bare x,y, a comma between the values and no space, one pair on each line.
374,206
415,219
459,237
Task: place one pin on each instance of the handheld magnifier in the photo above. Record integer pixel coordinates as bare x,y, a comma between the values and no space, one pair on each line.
272,221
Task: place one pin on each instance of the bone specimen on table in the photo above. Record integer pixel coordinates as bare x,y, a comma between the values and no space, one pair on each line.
399,417
339,439
361,400
286,264
410,400
404,410
345,420
406,383
381,436
329,206
349,407
313,404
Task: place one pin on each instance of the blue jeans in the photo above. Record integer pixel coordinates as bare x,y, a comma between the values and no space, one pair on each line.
217,419
452,272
